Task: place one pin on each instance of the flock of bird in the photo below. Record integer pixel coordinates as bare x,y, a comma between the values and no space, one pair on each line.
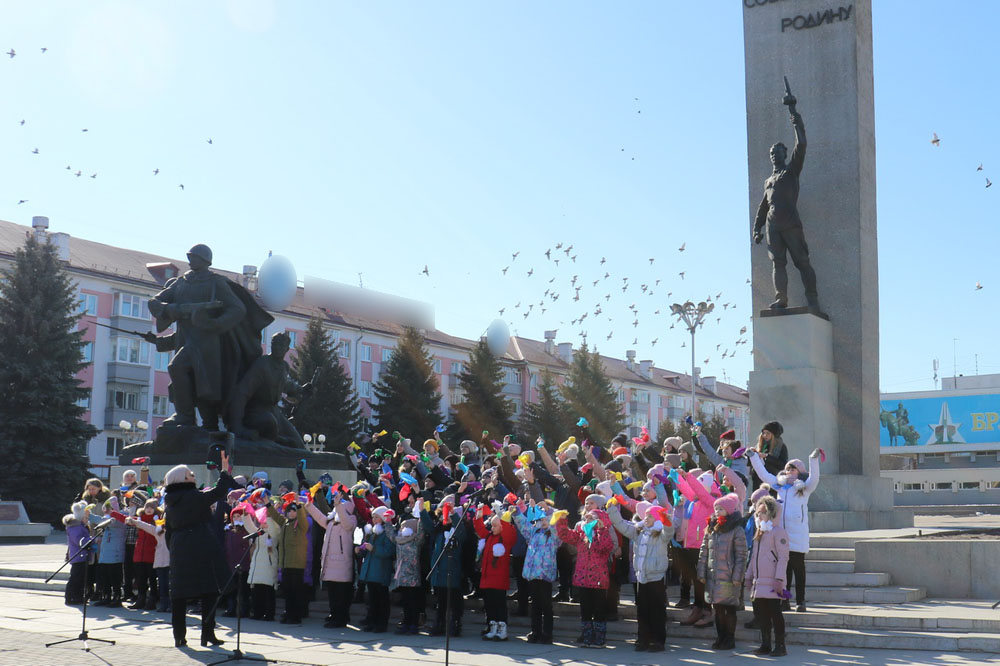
78,172
936,142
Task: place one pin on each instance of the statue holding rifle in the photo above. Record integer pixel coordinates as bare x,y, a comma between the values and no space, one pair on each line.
218,336
778,216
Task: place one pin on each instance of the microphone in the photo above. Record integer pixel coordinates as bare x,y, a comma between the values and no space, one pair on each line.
104,523
253,535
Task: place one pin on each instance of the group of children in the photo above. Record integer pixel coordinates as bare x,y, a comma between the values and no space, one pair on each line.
468,523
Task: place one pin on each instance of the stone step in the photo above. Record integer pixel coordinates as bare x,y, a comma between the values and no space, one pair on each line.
848,579
26,583
829,566
33,573
828,540
866,595
842,554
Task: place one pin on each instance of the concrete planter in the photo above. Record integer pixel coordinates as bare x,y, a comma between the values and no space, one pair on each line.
948,568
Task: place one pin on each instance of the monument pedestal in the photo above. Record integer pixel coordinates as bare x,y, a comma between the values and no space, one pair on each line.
15,527
795,384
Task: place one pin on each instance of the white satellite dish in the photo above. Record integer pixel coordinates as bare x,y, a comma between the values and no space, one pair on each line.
498,337
276,282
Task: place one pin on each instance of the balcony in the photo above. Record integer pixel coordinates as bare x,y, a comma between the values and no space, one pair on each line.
114,415
132,324
128,372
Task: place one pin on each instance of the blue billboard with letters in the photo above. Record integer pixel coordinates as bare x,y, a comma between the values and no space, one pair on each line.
940,420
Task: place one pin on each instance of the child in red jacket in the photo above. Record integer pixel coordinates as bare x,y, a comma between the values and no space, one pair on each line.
142,560
500,536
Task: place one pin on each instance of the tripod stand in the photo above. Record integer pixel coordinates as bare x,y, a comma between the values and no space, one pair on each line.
237,654
449,545
86,601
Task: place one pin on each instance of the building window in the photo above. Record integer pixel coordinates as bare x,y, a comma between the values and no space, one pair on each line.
969,485
292,337
130,350
387,354
345,349
457,396
516,404
941,485
437,365
115,446
640,395
364,389
621,395
457,368
131,305
87,352
366,353
84,402
88,304
512,376
161,405
131,397
161,360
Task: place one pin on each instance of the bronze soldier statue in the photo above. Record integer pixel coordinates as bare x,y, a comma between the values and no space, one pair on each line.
253,407
778,210
217,337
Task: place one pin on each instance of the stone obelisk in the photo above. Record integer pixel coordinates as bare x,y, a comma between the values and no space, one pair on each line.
819,375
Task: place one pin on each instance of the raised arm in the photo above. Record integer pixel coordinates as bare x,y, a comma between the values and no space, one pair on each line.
627,529
758,467
701,443
316,515
813,479
799,151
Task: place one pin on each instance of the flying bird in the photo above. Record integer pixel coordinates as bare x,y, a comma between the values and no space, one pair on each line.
607,275
980,167
12,53
651,260
156,172
936,141
558,246
514,255
35,151
609,335
681,248
78,174
93,175
574,258
602,258
681,274
548,253
425,271
743,330
501,311
85,130
635,341
22,201
44,49
595,282
557,261
978,286
654,341
209,142
22,121
504,270
531,271
181,186
989,182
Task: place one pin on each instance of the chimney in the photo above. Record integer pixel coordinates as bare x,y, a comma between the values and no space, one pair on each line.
646,369
60,241
550,342
565,351
708,383
250,277
697,376
40,224
630,359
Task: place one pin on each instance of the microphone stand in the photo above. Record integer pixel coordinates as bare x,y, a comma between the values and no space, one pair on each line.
83,627
238,654
449,545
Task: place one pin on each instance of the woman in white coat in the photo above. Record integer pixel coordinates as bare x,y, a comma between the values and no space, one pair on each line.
263,576
794,485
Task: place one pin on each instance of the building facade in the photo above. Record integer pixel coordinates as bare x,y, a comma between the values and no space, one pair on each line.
128,381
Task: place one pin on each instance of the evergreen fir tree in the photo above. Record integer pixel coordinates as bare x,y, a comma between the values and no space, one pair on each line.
407,395
546,417
484,407
329,404
588,393
42,435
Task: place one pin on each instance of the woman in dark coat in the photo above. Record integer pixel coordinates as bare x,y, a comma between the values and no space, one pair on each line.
197,565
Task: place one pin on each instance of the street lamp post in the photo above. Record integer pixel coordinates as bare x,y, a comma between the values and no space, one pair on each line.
133,432
692,315
314,442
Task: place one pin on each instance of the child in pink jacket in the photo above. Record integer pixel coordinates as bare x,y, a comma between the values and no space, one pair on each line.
594,543
766,573
701,491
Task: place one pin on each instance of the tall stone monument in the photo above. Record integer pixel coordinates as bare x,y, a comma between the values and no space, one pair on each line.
816,369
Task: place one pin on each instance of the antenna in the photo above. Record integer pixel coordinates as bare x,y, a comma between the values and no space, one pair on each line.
954,360
936,365
361,283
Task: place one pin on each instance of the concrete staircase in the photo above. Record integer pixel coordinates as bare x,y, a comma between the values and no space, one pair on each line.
845,609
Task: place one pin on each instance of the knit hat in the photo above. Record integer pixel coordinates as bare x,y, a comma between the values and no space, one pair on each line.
286,484
774,428
673,442
604,488
240,480
621,439
326,479
234,495
572,452
689,448
379,512
619,451
468,444
432,443
262,475
707,479
599,500
672,459
515,449
730,503
763,491
641,508
79,510
729,434
799,465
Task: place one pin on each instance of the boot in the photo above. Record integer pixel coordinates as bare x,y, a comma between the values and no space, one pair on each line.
139,603
491,633
116,599
719,635
706,619
586,633
779,647
501,634
179,637
692,617
101,600
456,628
208,634
600,633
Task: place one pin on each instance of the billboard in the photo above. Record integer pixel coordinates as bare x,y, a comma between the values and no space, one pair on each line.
940,420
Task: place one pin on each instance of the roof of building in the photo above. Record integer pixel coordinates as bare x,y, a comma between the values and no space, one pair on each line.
131,266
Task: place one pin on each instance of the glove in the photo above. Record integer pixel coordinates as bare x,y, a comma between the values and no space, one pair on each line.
557,516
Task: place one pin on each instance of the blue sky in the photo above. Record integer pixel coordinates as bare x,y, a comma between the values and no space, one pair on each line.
382,137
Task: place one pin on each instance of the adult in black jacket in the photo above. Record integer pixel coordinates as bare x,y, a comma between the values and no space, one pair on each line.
197,565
